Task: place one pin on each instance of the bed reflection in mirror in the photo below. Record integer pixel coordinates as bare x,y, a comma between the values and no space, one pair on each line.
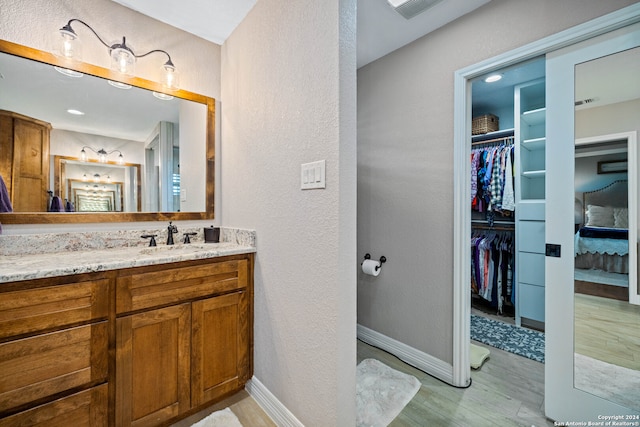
606,301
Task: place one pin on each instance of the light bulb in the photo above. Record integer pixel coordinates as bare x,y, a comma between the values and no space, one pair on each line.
123,60
170,77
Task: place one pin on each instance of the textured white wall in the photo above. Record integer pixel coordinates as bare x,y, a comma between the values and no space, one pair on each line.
288,91
405,170
35,23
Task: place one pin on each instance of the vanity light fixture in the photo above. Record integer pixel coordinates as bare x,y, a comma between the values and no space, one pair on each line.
123,58
102,155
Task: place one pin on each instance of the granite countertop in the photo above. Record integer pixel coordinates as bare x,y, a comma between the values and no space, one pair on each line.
36,266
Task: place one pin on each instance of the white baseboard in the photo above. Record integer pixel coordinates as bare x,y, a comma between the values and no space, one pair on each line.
419,359
271,405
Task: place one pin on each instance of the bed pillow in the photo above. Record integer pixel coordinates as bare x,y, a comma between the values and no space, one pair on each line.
621,217
600,216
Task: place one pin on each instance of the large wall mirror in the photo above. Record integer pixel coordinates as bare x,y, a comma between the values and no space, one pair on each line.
607,314
159,162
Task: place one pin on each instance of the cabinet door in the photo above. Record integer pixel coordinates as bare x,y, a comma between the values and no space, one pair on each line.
221,348
152,366
30,167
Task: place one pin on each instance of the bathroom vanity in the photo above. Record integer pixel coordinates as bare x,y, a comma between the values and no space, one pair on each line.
135,337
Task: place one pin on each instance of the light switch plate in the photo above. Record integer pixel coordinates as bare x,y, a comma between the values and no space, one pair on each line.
312,175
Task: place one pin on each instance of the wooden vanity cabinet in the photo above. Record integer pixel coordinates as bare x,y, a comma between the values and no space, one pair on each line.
54,339
183,338
143,346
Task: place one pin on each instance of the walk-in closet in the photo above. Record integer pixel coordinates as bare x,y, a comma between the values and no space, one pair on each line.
508,199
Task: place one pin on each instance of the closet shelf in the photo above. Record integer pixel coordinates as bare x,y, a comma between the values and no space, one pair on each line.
535,144
534,117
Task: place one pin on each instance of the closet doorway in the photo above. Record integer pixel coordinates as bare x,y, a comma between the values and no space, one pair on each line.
462,196
507,195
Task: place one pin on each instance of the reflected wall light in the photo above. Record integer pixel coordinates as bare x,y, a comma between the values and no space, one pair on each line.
102,155
123,59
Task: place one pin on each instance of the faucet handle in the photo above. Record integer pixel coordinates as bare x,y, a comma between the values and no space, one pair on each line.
152,242
186,237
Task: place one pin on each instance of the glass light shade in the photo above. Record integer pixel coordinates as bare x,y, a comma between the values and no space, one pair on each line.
96,178
123,61
120,159
70,46
170,77
83,155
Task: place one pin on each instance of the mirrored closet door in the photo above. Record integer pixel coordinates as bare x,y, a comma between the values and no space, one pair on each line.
593,316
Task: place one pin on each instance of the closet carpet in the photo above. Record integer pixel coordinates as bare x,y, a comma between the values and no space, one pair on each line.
521,341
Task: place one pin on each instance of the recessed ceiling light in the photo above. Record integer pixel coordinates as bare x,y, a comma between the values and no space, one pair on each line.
75,112
493,78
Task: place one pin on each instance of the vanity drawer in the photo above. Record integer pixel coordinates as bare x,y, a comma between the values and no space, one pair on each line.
34,368
45,308
147,289
87,408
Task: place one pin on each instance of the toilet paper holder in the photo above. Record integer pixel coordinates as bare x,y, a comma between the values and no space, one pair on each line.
382,260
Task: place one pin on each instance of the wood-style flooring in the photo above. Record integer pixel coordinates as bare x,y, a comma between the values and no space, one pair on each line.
506,391
246,409
608,330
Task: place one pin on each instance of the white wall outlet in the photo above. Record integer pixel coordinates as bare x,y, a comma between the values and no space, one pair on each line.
312,175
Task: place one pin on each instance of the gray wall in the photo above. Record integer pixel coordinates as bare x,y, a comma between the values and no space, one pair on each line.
405,169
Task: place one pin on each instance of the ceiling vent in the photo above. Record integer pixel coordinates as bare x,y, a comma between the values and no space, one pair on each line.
411,8
585,101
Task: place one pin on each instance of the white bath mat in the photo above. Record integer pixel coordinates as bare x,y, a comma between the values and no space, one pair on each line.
223,418
477,355
381,393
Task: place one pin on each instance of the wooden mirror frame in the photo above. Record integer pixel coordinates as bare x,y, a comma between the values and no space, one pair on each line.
77,217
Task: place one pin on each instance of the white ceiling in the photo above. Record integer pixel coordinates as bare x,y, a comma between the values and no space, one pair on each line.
381,30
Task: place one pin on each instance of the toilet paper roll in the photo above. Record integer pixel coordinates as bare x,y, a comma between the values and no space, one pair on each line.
371,267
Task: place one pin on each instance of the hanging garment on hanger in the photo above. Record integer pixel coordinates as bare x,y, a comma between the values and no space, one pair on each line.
492,179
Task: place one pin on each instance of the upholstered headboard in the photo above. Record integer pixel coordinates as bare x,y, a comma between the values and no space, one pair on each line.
614,195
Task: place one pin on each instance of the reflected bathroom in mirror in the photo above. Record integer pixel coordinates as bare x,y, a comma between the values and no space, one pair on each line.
606,298
55,116
78,181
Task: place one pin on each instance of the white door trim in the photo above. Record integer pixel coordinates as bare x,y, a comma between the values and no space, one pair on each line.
462,169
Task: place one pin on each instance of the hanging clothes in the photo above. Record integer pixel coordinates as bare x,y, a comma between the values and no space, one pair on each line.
492,178
493,266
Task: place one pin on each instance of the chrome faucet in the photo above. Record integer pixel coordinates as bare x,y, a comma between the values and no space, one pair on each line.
170,230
